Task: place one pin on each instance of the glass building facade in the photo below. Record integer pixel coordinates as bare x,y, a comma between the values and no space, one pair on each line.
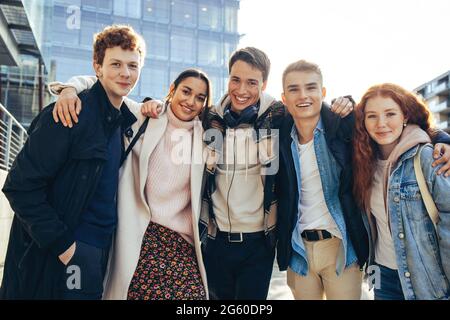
22,87
179,34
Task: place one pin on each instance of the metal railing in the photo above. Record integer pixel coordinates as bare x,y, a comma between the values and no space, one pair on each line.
12,138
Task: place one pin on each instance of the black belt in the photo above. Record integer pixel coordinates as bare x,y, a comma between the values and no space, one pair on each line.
316,235
240,236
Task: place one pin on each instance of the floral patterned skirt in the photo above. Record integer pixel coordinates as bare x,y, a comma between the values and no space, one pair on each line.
167,268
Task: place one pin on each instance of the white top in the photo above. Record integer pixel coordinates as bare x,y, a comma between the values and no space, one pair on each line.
238,201
384,245
313,210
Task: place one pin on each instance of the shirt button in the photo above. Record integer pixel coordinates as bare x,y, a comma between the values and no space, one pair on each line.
109,118
129,133
407,274
401,235
396,199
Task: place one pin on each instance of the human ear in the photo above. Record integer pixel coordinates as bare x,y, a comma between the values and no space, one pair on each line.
98,70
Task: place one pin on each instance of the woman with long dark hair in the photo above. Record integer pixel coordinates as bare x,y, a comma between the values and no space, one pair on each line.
157,252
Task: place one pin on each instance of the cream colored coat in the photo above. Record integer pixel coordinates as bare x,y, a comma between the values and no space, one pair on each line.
133,212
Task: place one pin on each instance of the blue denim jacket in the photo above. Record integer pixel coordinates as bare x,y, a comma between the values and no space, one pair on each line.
423,264
329,174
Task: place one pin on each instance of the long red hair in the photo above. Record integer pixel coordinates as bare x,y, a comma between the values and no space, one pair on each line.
365,152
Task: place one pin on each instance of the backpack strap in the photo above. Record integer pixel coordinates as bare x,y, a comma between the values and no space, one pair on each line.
135,139
426,196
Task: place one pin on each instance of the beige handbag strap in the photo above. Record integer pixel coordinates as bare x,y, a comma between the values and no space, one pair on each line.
426,196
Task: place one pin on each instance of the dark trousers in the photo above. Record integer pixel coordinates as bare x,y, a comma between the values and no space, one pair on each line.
84,274
390,286
238,270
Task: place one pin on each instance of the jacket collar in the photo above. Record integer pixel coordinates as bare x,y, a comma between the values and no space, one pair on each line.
328,122
409,154
294,135
128,117
111,116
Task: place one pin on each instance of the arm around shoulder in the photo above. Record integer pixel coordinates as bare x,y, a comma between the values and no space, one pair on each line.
439,187
79,83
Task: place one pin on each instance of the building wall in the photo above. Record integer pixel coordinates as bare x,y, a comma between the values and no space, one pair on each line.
179,34
437,94
19,90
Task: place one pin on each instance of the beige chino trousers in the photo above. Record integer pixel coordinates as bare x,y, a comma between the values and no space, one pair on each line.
321,281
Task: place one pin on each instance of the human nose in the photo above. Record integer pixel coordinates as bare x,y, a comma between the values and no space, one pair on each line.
242,88
302,94
191,100
125,72
381,121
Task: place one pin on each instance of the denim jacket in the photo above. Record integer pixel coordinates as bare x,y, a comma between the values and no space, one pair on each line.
423,261
330,172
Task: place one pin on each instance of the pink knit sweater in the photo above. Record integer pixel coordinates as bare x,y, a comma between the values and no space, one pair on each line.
168,189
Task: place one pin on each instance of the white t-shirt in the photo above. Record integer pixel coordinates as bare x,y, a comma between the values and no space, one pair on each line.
314,213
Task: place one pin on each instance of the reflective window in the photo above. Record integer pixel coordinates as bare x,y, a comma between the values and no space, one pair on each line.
209,16
216,83
230,19
62,34
228,50
67,2
154,82
157,43
209,52
65,68
87,32
184,13
174,72
101,5
183,47
156,10
129,8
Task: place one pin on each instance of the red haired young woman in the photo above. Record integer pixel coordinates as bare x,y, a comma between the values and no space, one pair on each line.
391,126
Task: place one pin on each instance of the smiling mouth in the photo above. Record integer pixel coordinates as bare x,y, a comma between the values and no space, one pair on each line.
186,109
241,100
303,105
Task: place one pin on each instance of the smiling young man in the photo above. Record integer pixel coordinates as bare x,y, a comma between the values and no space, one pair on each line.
322,241
321,234
239,207
63,184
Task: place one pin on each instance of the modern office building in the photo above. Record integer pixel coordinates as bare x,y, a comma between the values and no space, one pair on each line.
179,34
437,94
23,62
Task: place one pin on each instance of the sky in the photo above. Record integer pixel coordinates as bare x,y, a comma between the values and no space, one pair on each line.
357,43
